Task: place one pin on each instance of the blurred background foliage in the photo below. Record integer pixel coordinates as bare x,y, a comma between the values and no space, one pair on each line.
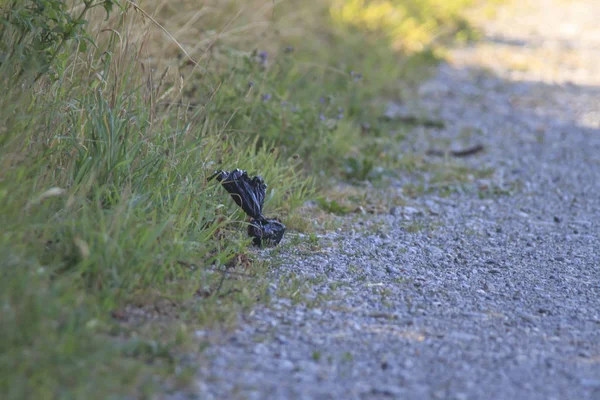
410,24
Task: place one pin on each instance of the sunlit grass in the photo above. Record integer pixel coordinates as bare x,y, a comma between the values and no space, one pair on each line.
409,24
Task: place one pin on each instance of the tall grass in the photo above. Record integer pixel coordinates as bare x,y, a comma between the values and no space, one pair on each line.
106,142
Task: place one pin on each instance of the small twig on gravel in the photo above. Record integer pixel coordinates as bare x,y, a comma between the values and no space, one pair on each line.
469,151
383,315
414,120
220,285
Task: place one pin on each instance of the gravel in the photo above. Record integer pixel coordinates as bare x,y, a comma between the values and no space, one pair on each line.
495,296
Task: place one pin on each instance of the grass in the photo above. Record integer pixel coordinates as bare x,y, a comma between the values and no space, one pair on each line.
115,248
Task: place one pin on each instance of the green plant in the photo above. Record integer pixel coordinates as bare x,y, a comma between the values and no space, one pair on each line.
35,32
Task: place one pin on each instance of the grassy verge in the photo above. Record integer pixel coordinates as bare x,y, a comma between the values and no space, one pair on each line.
115,249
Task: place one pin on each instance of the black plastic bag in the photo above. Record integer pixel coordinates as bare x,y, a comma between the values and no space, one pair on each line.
267,232
249,194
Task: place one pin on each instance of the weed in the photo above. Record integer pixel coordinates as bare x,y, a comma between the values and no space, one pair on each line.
415,226
347,357
316,356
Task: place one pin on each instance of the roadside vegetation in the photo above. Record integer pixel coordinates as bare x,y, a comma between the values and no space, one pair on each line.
114,248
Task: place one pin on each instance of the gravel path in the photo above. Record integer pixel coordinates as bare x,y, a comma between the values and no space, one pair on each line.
494,296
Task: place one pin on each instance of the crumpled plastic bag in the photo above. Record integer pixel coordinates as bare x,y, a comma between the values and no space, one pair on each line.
249,194
267,232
